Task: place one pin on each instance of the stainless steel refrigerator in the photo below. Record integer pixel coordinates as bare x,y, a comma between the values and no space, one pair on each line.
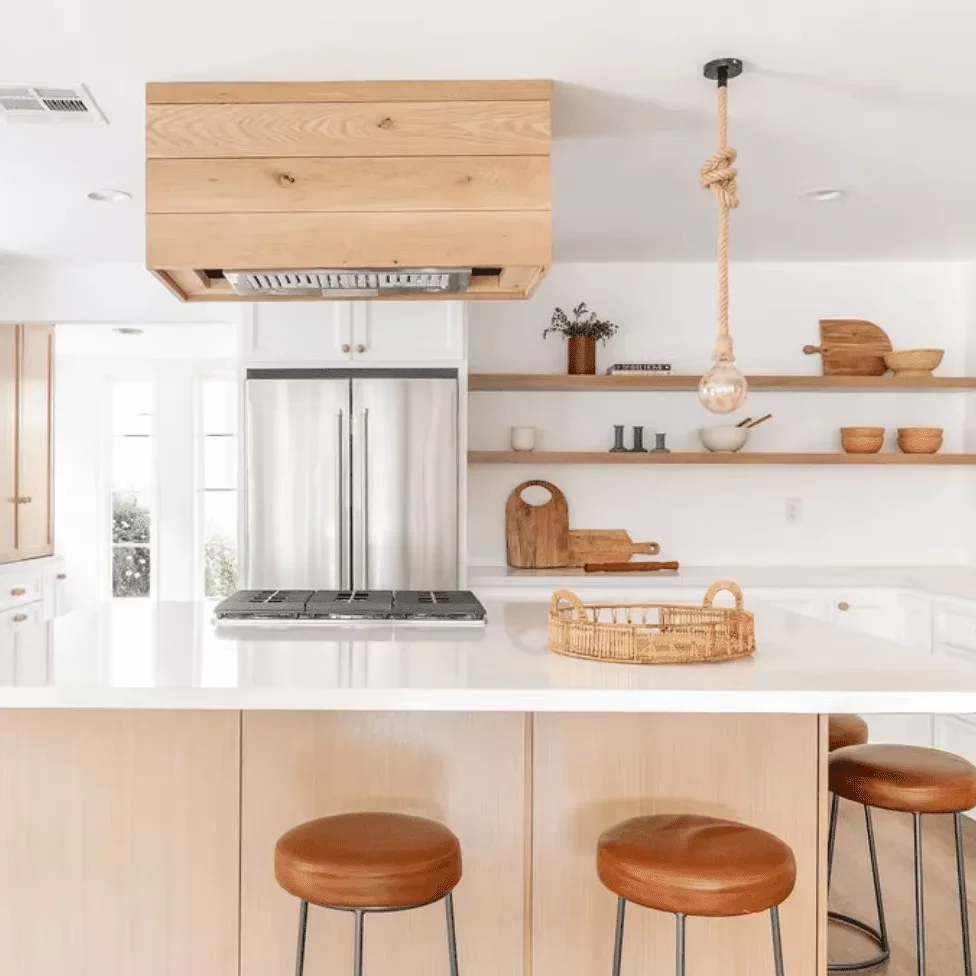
352,479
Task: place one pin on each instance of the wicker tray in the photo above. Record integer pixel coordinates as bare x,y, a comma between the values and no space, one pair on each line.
652,633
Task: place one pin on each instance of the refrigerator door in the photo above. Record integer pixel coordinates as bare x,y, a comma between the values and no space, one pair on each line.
298,477
405,479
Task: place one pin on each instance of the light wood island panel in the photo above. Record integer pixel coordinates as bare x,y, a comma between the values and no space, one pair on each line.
592,771
466,770
119,843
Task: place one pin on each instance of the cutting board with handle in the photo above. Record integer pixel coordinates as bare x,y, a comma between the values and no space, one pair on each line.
605,546
537,536
851,347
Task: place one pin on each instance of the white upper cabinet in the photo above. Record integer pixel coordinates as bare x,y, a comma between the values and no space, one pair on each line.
414,333
298,333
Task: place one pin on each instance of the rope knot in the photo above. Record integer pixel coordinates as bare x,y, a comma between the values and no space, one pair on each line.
719,175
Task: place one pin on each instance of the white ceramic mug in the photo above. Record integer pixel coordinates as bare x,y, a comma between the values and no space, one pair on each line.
523,438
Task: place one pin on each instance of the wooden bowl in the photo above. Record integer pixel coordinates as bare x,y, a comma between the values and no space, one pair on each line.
914,362
919,440
862,440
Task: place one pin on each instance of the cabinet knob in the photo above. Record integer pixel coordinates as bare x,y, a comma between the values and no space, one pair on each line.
18,590
19,618
843,605
346,347
360,348
62,576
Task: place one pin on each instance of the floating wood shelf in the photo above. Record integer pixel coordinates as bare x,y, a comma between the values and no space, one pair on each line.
484,382
704,457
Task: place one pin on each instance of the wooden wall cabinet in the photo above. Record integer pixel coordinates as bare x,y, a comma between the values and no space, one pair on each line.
26,441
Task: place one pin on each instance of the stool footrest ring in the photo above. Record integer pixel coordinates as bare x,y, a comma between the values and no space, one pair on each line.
872,933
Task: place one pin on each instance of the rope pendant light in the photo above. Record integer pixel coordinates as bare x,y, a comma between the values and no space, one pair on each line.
723,388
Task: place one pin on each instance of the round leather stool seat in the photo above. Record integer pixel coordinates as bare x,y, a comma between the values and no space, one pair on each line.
911,779
691,865
847,730
368,860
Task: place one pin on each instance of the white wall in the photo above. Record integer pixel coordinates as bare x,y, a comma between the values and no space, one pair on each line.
715,515
49,291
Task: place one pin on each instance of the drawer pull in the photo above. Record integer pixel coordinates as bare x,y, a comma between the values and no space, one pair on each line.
19,618
360,348
843,605
24,499
18,590
62,576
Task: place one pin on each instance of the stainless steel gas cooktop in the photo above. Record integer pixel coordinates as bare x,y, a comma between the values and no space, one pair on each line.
345,606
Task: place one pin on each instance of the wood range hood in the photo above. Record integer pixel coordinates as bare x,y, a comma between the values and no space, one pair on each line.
281,190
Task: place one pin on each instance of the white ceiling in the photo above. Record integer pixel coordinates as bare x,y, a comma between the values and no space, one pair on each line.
874,97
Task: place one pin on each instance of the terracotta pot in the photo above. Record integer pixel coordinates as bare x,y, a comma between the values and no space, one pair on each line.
582,356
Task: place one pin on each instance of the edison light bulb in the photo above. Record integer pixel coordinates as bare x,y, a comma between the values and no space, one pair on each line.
723,388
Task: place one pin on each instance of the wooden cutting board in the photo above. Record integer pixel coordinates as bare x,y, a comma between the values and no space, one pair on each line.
537,536
851,347
605,546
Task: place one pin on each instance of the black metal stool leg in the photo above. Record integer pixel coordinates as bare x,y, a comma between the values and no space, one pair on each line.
832,836
357,961
777,940
919,896
680,946
618,942
967,952
302,926
878,936
451,934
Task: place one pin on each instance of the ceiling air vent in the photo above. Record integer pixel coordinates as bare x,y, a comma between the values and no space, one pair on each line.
32,103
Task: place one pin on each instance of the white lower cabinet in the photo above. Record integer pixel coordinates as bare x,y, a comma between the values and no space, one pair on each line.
957,733
25,645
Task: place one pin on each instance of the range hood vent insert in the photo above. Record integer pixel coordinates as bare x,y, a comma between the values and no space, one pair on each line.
351,282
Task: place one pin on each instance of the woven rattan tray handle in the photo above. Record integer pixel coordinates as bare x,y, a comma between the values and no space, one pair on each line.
573,600
717,588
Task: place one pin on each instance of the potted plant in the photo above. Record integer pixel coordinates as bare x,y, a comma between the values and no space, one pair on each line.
582,332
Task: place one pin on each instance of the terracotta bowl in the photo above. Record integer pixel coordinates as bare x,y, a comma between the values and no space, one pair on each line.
914,362
862,440
919,440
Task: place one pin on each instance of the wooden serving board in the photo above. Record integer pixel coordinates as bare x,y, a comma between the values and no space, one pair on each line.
605,546
537,536
851,347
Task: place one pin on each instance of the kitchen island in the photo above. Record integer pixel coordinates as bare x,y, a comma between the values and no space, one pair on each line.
150,763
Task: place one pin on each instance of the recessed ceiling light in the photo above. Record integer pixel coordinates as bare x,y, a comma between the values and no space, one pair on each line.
824,195
126,330
109,196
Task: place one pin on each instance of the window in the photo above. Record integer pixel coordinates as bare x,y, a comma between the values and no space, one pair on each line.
219,418
131,474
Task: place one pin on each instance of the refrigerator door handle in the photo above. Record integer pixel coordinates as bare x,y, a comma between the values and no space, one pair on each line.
363,560
342,519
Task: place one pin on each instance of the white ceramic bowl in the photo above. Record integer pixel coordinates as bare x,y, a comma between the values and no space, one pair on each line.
723,438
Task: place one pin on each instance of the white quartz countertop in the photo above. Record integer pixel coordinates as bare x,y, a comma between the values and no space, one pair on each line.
135,654
954,582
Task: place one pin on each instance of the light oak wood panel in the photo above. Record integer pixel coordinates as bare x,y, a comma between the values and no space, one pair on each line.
257,92
120,843
707,457
342,129
673,381
466,770
347,184
592,771
35,518
9,360
446,239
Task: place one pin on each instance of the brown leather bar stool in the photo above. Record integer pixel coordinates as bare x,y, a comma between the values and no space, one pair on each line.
699,866
914,780
369,862
846,730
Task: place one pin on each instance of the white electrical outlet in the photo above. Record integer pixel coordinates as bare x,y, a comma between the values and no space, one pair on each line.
794,509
